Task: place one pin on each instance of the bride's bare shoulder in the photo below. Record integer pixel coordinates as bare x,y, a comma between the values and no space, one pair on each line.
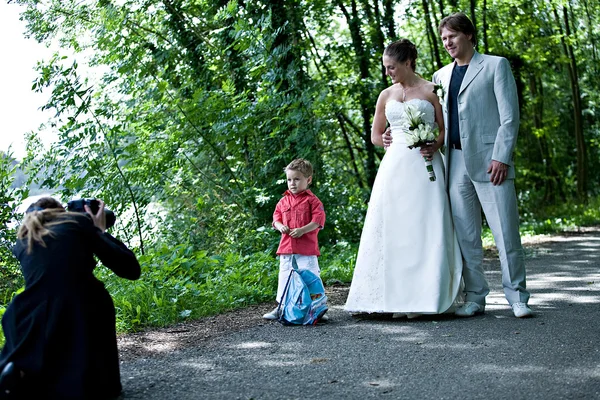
427,91
427,85
388,93
393,92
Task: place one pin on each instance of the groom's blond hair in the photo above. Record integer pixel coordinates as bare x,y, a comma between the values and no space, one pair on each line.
459,22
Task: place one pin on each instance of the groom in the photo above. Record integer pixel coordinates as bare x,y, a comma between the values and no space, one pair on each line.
481,115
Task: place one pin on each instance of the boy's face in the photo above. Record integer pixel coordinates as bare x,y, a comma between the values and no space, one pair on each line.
296,181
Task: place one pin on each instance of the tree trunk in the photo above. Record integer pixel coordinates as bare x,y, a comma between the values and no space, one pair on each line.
366,101
350,149
473,19
591,36
377,36
551,175
577,107
287,26
388,19
441,6
484,28
387,23
432,37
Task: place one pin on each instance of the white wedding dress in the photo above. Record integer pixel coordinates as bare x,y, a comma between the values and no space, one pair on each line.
408,259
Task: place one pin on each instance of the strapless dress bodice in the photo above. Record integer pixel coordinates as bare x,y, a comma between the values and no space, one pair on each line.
395,112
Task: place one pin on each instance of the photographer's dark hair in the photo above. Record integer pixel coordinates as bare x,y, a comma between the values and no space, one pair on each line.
41,215
459,22
401,51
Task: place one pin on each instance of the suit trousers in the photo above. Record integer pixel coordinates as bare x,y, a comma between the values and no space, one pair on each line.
499,204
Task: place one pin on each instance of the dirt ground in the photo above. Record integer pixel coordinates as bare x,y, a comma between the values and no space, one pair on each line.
154,342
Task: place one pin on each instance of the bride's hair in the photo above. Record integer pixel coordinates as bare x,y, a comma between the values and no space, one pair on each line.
403,50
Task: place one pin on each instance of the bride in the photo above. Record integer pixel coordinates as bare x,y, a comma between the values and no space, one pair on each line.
408,262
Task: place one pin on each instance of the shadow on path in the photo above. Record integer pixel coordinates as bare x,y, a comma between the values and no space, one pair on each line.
555,355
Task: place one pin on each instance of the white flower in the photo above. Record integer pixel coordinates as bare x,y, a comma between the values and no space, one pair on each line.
413,118
417,131
439,92
412,138
426,133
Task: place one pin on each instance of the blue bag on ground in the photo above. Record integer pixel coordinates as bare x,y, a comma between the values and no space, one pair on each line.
304,300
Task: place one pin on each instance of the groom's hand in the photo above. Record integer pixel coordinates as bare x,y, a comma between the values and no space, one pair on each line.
387,138
498,171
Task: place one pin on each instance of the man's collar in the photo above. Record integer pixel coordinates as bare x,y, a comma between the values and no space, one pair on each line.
473,57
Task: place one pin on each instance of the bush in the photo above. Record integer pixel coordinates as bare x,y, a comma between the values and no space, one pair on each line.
337,263
180,283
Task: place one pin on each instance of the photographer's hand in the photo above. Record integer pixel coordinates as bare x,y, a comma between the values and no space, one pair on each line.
100,217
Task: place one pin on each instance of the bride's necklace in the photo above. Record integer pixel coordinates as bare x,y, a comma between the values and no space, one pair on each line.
406,89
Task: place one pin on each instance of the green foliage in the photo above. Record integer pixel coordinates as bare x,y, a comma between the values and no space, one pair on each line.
554,219
337,263
182,283
9,199
2,339
562,217
5,298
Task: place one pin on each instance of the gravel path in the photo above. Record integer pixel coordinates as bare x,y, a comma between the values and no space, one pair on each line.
555,355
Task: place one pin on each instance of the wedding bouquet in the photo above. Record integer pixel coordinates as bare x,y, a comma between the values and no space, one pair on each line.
419,133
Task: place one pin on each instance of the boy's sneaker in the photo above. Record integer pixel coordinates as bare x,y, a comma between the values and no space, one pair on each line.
272,315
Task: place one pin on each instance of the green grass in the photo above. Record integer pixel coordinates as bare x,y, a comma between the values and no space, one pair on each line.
555,219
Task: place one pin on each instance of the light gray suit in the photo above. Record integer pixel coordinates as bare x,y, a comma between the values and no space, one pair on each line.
488,113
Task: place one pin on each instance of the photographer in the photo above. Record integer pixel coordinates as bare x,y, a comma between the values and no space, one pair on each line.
60,331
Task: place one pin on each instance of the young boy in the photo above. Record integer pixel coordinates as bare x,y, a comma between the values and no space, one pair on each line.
299,216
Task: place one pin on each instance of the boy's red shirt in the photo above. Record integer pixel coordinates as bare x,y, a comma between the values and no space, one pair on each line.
296,211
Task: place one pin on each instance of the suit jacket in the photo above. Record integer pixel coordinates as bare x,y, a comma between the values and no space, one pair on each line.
488,112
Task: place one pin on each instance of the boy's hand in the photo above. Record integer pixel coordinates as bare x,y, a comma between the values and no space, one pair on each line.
296,233
283,229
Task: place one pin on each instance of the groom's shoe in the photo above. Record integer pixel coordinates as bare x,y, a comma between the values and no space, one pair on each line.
470,309
521,310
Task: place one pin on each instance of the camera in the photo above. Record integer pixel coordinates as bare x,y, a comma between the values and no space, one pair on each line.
94,204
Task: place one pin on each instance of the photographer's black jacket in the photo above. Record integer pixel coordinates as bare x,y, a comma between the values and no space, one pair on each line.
61,329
